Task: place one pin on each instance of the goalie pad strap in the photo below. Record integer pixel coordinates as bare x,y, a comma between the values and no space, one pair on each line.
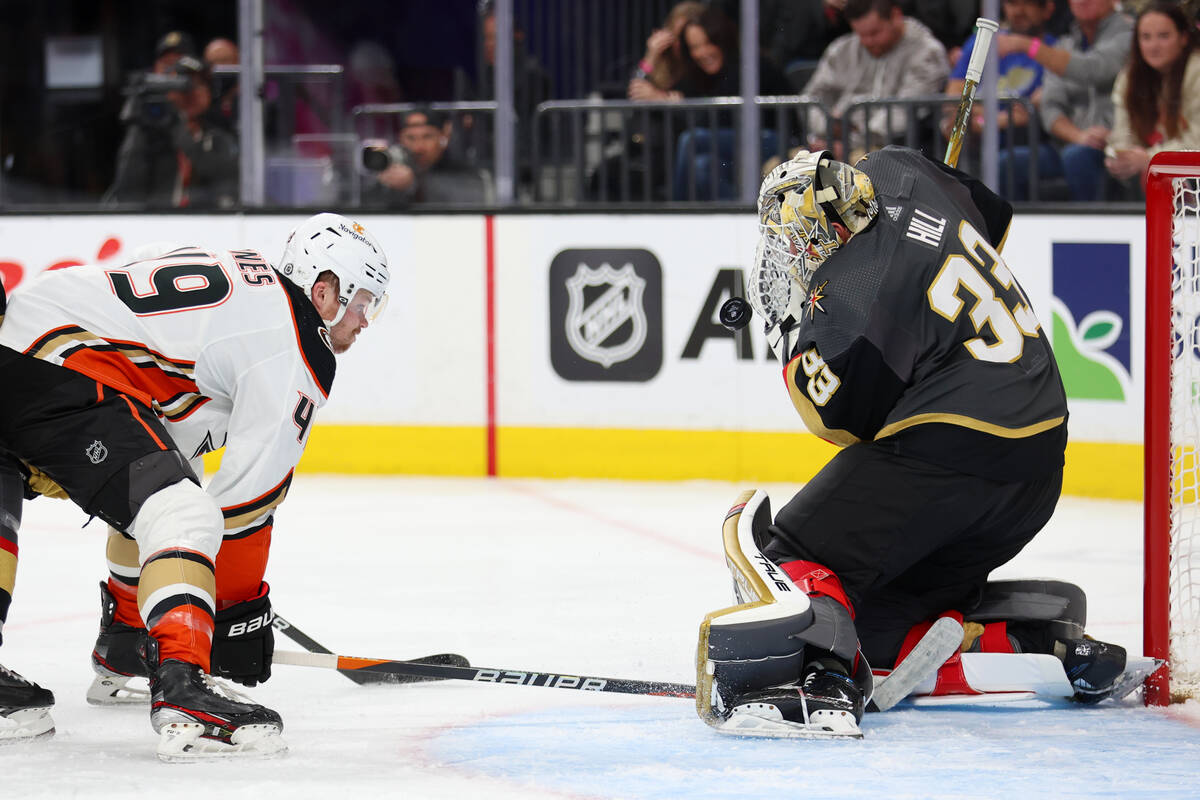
812,578
995,639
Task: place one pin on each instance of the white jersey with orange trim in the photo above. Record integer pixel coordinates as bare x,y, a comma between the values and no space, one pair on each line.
226,351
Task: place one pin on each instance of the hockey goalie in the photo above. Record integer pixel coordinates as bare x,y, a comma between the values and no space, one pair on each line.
906,341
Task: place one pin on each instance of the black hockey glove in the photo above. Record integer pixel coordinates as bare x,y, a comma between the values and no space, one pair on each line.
244,641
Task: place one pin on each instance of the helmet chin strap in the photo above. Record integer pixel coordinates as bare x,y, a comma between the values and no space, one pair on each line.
780,338
341,312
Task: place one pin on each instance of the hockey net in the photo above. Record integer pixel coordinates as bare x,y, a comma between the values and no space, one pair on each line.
1172,426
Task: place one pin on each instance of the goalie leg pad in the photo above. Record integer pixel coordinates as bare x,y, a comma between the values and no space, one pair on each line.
762,641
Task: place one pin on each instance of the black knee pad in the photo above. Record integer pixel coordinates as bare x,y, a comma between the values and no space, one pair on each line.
1038,612
120,500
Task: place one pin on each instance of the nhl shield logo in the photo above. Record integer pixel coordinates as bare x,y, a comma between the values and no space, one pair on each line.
592,325
606,321
96,452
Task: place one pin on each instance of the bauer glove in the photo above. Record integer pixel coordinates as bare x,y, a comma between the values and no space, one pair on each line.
244,640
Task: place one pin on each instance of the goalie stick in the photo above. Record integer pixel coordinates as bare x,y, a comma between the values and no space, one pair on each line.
313,646
938,643
984,30
941,641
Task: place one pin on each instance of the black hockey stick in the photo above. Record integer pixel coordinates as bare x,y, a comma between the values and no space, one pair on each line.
355,667
313,646
933,648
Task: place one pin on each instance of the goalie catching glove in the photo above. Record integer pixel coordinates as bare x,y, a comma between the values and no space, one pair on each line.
784,662
244,640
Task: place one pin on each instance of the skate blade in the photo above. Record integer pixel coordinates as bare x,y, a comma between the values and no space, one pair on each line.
763,724
1137,669
27,725
114,690
185,742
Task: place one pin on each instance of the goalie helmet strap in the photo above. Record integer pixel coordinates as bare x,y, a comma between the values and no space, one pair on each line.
814,579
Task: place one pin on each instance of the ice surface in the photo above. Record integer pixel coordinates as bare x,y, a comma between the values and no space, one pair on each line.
604,578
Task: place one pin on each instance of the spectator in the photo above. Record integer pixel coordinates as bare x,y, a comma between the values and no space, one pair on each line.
222,52
1157,96
642,158
171,155
661,68
1076,107
1019,75
170,48
887,55
712,68
420,170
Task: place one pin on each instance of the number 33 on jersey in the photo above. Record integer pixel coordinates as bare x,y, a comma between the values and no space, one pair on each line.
918,332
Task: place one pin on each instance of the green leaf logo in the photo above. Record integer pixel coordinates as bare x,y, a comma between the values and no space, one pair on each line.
1087,371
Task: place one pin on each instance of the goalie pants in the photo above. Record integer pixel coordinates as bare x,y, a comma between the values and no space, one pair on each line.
908,539
110,453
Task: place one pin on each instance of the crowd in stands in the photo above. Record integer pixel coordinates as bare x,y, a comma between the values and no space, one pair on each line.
1090,90
1105,93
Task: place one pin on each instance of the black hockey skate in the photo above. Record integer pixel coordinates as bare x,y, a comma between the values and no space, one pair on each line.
24,709
195,722
115,660
1093,667
829,705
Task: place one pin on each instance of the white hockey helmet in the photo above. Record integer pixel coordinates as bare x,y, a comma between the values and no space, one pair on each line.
345,248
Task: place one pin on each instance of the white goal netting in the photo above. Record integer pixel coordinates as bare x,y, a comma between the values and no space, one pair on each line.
1184,571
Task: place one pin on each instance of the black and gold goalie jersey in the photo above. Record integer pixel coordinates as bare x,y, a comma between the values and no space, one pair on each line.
916,334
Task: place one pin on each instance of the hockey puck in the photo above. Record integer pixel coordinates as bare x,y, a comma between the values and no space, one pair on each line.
735,313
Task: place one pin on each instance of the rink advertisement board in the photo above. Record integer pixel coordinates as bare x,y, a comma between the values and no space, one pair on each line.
607,359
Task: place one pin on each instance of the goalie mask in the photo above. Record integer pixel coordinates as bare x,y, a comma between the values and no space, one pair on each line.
345,248
808,207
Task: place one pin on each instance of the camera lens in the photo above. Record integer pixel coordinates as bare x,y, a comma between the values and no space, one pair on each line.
375,159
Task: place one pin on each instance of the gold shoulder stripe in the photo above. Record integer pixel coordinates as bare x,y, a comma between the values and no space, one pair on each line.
972,424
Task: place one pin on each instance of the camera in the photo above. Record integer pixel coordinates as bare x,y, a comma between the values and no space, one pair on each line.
378,155
148,104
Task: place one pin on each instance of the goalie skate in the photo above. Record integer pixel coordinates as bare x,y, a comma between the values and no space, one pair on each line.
827,706
24,709
1137,670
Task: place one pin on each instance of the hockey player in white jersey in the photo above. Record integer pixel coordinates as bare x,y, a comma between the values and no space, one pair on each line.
116,382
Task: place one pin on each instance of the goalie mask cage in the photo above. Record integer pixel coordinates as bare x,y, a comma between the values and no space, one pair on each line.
1172,426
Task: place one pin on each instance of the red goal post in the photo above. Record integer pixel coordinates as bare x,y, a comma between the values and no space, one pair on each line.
1171,599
